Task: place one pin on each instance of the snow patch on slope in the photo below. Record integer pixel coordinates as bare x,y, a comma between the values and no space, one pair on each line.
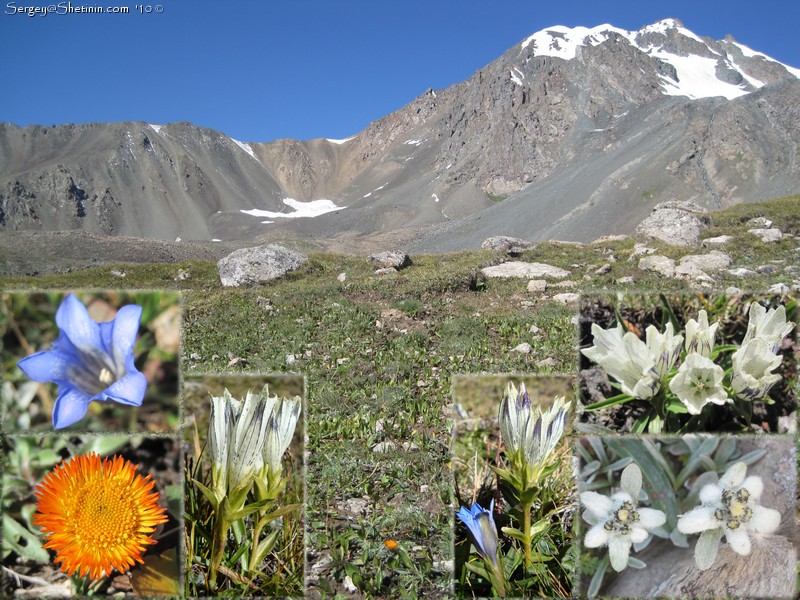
311,209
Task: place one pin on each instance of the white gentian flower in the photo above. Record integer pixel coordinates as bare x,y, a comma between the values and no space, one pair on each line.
729,508
770,326
753,364
528,430
698,382
665,348
280,430
700,336
636,365
617,521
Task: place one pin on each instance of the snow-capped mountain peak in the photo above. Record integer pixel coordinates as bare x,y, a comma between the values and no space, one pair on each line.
701,68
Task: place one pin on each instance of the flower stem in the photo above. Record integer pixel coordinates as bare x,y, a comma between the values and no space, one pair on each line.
218,551
256,538
526,530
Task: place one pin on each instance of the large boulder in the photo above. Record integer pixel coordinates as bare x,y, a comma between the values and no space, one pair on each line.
249,266
675,223
510,245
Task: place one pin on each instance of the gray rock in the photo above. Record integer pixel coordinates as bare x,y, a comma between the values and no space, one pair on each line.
390,259
567,298
674,223
696,265
511,245
717,242
341,278
767,235
603,270
742,272
386,271
524,348
611,238
537,286
660,264
640,249
524,269
249,266
627,280
761,222
733,291
780,289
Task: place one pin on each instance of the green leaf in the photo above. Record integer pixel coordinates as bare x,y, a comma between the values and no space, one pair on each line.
749,458
705,552
597,578
17,538
207,493
635,563
613,401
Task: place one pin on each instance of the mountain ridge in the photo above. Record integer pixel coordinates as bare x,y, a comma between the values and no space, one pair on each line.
533,144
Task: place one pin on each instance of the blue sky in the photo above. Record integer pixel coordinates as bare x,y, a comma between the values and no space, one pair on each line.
259,70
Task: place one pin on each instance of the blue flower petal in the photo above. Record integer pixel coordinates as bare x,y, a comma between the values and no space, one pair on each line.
74,321
70,407
128,390
124,331
50,365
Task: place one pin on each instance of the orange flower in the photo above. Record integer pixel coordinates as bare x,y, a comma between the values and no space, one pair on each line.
98,514
390,544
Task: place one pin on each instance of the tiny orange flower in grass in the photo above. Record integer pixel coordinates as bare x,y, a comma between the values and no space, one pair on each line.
97,514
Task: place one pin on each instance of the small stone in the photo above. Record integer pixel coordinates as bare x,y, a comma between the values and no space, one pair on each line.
606,268
537,286
524,348
611,238
527,304
341,361
182,275
383,447
780,289
741,272
567,298
640,249
342,277
660,264
391,258
767,235
349,586
524,269
674,223
696,265
535,330
546,362
117,273
627,280
568,284
733,291
717,242
290,359
386,271
410,446
760,222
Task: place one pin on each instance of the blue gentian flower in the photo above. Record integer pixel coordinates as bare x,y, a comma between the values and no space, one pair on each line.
89,361
482,528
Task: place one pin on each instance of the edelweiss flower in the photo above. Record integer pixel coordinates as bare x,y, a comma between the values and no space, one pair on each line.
699,336
618,521
98,514
638,366
482,529
89,361
770,326
698,382
527,430
753,364
729,508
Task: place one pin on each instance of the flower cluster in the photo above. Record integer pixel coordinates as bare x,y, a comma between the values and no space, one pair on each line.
528,431
730,508
643,368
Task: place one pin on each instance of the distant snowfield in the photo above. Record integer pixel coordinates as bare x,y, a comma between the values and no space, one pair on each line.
696,74
332,141
246,147
302,210
156,128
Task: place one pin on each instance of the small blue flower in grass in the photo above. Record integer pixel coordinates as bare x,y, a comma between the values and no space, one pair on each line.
480,523
89,361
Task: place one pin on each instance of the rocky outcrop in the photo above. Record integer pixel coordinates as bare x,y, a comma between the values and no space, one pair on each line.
525,269
675,223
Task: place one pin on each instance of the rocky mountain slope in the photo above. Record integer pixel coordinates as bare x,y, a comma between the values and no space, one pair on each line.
571,134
